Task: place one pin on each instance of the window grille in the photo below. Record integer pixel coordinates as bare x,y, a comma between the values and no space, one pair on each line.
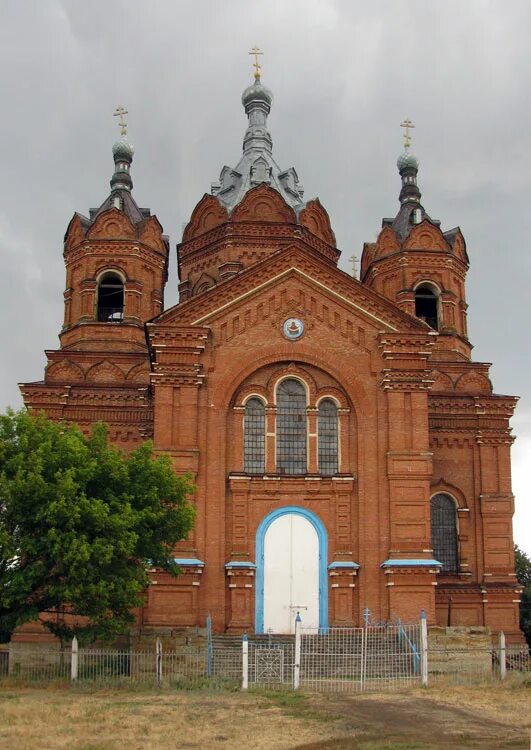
327,437
254,437
291,427
426,305
110,299
444,532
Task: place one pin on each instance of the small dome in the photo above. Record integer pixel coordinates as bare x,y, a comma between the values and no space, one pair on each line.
407,159
257,92
123,149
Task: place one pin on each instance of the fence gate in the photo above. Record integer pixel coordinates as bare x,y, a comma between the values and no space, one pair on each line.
335,659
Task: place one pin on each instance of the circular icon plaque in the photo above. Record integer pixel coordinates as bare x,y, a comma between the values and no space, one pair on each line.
293,328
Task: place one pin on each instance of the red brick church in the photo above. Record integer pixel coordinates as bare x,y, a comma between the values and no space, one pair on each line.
347,451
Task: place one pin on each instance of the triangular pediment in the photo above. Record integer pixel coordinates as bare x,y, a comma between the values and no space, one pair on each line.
326,283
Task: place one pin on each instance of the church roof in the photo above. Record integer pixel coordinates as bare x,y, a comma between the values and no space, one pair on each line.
257,164
121,186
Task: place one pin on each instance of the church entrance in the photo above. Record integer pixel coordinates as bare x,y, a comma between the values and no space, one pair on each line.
291,571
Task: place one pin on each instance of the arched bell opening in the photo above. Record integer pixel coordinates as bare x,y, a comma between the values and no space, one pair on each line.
110,306
427,305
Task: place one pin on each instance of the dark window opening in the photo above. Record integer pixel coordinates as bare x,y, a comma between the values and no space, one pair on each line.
291,427
254,437
444,532
327,437
111,299
426,306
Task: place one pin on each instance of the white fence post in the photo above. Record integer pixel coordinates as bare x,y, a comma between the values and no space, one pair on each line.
245,662
423,648
158,662
502,655
74,661
297,662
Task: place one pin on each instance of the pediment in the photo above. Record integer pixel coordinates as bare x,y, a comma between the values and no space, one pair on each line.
263,203
305,281
150,231
386,243
315,218
75,232
208,214
426,236
459,246
112,224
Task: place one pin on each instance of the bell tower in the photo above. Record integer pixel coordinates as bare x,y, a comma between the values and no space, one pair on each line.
116,267
417,265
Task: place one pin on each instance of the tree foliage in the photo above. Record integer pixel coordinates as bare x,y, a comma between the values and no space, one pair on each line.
523,573
79,522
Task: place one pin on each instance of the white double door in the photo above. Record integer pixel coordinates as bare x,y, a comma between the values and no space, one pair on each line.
291,574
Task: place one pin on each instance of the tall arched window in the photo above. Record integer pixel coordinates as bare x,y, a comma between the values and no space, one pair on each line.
327,437
426,305
444,532
254,437
291,427
110,298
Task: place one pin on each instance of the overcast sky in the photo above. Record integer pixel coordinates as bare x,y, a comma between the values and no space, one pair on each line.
344,75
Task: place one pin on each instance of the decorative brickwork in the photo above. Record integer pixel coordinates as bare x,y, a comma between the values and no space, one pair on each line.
412,415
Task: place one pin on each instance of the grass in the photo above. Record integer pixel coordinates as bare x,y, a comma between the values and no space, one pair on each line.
439,718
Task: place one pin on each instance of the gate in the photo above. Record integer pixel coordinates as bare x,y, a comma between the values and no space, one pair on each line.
335,659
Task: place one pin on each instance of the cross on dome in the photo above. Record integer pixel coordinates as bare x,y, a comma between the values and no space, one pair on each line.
120,112
407,125
256,65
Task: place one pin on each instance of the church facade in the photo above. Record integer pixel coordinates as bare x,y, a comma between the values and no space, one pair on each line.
347,452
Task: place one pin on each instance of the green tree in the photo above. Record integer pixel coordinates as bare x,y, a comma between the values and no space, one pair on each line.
523,573
79,523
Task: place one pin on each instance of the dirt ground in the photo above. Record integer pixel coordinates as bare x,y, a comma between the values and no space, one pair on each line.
486,718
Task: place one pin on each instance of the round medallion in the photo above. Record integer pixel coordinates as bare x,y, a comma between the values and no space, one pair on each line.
293,328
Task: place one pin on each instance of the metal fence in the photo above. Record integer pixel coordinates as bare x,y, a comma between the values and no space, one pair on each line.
361,659
465,666
345,660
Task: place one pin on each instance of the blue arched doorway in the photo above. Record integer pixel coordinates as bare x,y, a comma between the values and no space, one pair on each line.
291,570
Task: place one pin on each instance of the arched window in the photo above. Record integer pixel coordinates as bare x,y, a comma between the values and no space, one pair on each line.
254,437
426,305
291,427
327,437
444,532
110,298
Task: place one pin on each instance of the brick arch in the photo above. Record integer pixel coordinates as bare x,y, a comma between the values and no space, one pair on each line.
75,232
208,214
203,284
315,218
112,224
104,268
445,487
105,372
359,399
150,231
336,394
293,370
64,372
139,374
252,389
441,382
473,382
426,236
386,243
262,203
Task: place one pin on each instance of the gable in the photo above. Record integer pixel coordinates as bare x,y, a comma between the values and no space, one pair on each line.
321,282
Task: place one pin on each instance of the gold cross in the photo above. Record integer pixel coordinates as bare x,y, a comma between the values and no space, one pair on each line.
354,260
407,124
256,51
120,112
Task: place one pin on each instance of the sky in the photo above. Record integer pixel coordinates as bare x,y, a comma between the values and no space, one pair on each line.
344,74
